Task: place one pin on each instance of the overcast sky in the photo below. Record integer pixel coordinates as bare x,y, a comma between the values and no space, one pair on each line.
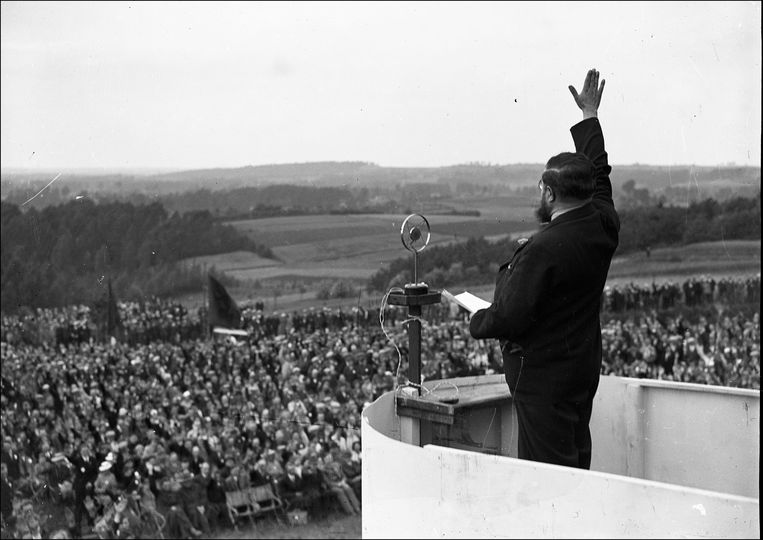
196,85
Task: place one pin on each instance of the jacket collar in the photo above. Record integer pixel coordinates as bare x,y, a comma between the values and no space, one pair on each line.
575,213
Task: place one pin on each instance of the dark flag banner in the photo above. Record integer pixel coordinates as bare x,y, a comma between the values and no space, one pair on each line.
223,311
112,315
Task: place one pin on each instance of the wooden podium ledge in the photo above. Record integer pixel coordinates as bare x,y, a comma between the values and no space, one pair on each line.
436,406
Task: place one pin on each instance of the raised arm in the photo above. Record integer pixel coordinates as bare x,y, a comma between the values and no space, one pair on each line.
589,140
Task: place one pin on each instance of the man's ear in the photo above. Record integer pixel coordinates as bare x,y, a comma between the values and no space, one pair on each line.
551,194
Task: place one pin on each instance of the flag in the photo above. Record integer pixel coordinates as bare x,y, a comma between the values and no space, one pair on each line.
112,314
223,310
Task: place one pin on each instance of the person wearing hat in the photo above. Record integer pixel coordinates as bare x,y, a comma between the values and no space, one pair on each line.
60,476
105,487
105,493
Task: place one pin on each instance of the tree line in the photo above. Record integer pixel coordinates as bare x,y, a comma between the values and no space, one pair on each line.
706,221
67,253
283,200
642,227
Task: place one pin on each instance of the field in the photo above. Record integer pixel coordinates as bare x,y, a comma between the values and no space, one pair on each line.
512,207
730,258
341,246
312,249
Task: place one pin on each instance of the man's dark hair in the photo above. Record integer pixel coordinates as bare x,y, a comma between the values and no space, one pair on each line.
570,175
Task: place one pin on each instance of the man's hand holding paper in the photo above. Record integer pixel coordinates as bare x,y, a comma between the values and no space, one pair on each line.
467,301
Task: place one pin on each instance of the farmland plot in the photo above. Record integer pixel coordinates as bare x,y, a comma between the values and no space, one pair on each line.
346,246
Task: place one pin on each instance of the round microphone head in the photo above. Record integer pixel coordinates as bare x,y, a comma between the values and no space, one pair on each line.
415,233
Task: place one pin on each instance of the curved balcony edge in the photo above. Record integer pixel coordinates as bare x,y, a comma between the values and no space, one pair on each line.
670,460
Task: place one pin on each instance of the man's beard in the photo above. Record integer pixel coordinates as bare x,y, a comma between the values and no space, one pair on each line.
543,212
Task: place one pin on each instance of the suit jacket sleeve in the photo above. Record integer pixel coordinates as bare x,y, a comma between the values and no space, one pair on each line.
516,310
589,140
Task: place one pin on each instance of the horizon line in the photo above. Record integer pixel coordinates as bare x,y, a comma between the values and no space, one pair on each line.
152,170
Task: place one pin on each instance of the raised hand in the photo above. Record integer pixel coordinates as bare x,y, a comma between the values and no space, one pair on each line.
589,98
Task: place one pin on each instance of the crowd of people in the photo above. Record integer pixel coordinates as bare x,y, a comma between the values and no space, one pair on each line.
151,430
723,352
692,292
111,429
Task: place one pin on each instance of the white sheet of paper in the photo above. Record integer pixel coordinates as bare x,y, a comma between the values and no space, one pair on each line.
229,331
467,300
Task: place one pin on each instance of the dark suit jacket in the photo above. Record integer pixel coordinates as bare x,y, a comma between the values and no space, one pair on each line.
293,485
547,298
84,472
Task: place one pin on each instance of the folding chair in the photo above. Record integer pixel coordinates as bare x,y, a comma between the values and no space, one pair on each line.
267,501
240,504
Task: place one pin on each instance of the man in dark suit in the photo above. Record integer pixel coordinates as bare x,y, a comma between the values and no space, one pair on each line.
216,509
545,310
85,468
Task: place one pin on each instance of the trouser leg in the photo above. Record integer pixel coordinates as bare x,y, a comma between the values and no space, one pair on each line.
583,433
183,525
342,496
79,512
352,498
555,433
218,513
197,519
